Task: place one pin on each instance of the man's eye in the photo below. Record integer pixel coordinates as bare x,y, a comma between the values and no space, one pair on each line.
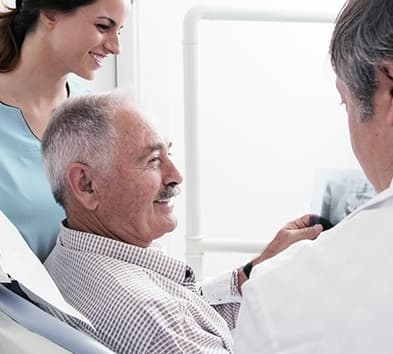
154,162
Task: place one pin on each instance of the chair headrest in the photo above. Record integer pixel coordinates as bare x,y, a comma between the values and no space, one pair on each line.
19,261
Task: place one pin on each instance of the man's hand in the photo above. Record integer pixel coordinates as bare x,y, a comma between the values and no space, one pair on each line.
292,232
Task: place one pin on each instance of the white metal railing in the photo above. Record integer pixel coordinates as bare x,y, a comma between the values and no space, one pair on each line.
196,243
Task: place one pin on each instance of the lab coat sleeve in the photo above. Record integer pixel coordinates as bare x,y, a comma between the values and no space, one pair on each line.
252,334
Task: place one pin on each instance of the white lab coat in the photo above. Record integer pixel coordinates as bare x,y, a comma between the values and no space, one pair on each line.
331,295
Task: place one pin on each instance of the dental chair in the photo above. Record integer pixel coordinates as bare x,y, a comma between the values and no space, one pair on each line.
24,327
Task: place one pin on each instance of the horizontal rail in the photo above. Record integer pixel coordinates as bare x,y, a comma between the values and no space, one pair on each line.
212,245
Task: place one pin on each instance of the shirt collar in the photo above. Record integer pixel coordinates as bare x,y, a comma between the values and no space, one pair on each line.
150,258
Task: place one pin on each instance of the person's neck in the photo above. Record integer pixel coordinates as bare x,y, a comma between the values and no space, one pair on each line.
38,75
89,223
35,86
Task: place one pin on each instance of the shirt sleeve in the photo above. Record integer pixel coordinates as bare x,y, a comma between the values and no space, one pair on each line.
223,294
222,289
186,339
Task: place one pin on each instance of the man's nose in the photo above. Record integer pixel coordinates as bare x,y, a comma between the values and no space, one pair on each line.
173,176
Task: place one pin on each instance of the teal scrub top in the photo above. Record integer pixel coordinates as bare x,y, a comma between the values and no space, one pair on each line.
25,194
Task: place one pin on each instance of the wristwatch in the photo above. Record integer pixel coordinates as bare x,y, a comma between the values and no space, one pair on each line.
247,269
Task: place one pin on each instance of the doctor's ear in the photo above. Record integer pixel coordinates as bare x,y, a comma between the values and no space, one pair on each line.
387,70
83,188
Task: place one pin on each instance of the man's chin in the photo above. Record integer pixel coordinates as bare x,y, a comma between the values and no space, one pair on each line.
172,225
169,226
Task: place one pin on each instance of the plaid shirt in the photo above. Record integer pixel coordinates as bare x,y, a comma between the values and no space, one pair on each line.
139,300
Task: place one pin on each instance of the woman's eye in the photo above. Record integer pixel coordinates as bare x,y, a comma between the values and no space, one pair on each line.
102,28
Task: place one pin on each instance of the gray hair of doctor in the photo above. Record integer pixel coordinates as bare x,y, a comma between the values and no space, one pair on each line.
80,130
362,41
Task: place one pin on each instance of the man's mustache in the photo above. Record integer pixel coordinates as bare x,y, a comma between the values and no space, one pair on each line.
168,192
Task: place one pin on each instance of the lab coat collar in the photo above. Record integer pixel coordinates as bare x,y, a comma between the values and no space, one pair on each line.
380,197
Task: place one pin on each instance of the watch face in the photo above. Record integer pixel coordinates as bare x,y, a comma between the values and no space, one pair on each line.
247,269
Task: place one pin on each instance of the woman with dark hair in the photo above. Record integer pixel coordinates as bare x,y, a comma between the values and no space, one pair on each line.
41,43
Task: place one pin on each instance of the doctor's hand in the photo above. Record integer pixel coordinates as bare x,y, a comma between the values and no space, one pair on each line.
292,232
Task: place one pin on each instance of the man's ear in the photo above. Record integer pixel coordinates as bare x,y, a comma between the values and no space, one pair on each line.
82,186
48,18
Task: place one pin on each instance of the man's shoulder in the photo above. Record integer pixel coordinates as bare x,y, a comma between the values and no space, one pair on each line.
110,280
369,224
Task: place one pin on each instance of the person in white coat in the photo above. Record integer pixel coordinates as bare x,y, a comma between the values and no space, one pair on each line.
334,294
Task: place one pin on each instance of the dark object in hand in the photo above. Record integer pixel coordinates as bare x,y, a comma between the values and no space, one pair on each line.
316,219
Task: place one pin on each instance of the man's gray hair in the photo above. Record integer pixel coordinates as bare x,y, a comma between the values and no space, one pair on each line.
362,41
80,130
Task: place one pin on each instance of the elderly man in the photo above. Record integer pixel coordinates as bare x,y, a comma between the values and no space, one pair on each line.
334,295
113,174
